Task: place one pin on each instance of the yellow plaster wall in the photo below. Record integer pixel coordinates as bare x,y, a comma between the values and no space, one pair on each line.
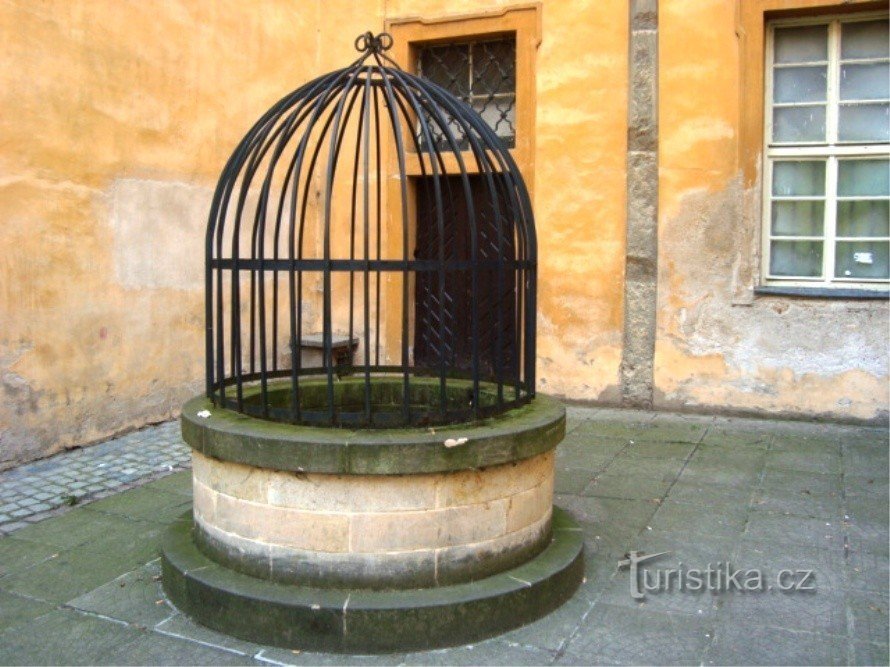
718,346
580,196
115,119
578,185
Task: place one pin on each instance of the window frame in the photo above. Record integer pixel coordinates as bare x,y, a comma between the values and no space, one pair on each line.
524,22
831,151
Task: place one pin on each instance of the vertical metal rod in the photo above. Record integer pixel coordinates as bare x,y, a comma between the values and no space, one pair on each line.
334,149
295,245
403,182
471,215
438,209
352,212
365,138
379,234
508,167
216,235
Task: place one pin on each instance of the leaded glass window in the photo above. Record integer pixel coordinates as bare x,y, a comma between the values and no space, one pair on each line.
482,74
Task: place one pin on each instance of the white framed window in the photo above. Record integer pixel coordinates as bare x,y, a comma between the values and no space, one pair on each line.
827,153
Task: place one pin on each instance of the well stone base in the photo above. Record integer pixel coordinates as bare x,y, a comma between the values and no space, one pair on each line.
365,621
373,531
372,540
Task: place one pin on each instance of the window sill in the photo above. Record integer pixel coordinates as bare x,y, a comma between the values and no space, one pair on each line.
821,292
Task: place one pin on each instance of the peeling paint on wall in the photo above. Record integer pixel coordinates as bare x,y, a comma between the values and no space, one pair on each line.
789,356
719,346
159,233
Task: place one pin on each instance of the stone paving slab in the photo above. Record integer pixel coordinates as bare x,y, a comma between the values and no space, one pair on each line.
80,585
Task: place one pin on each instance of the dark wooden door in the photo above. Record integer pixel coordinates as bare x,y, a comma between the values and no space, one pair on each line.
443,319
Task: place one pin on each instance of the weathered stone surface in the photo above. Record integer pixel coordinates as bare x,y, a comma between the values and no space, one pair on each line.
316,531
370,621
474,561
642,210
639,338
643,14
640,287
479,486
521,433
394,569
400,531
331,529
642,128
233,479
352,493
204,502
529,506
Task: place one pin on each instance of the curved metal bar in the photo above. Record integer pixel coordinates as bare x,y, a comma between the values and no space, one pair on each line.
268,185
389,98
486,168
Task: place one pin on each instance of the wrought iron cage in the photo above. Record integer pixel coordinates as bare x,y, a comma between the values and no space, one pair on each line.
382,215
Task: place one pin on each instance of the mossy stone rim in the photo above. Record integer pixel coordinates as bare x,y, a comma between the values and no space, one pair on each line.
364,621
520,433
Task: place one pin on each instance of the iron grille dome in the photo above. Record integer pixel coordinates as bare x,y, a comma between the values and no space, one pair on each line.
339,216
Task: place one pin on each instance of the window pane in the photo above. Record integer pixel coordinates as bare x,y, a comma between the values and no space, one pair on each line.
500,115
863,177
799,84
864,122
865,39
793,124
798,218
796,258
862,259
865,82
494,67
448,66
801,44
804,178
439,135
863,218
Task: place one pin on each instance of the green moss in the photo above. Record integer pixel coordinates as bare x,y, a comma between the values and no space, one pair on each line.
365,621
519,433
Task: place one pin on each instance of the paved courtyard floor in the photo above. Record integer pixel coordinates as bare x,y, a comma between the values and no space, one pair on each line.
80,584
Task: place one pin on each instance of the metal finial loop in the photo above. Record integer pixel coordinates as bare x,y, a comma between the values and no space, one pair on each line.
373,44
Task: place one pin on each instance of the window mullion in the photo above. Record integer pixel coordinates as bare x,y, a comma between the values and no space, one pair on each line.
834,54
828,253
767,183
767,215
470,71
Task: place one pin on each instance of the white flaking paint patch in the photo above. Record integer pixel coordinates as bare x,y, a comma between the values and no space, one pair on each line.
159,233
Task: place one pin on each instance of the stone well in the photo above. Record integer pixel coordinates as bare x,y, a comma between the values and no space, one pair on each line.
372,540
384,484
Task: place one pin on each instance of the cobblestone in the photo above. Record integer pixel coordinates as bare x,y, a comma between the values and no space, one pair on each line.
28,493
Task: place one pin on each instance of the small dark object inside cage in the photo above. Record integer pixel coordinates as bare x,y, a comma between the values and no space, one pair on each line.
371,205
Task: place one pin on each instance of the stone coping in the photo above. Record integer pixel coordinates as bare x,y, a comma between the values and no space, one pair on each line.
520,433
365,621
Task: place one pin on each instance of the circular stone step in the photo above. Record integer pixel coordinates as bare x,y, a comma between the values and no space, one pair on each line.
366,621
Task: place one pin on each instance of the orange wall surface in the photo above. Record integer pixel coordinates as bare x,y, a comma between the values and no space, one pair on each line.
719,346
117,116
